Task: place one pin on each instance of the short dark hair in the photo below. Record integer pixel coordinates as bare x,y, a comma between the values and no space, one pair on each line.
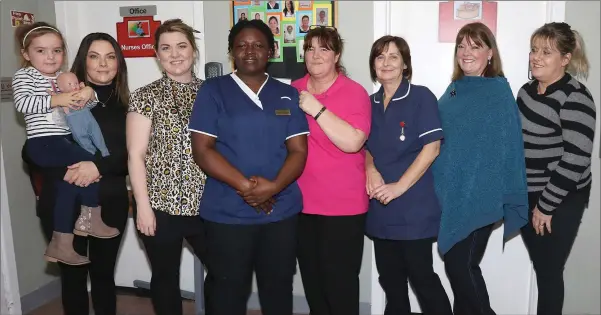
256,24
382,45
80,70
328,37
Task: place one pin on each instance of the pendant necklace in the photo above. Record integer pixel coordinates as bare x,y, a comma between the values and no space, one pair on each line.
107,99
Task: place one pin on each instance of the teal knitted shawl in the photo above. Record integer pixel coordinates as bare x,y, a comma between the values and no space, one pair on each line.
480,174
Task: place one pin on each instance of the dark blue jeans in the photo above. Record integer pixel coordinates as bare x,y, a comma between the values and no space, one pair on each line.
462,264
86,131
60,152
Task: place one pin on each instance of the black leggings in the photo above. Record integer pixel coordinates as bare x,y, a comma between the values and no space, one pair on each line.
164,251
550,252
329,257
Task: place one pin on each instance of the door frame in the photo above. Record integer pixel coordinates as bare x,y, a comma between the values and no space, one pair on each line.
11,297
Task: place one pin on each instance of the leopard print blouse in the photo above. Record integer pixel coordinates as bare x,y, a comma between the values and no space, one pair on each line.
175,183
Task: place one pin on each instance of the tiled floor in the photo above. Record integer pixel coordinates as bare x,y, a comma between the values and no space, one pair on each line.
126,305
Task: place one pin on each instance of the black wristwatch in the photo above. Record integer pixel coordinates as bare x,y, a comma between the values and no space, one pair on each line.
323,109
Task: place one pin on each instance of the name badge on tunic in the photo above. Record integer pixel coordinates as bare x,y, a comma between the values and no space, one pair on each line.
282,112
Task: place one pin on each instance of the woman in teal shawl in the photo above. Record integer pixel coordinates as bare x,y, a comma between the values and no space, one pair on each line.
480,175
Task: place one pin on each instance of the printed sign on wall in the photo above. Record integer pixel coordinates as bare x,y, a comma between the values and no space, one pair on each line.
6,91
18,18
135,34
453,15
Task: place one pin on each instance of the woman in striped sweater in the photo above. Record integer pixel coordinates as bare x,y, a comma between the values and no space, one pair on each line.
558,123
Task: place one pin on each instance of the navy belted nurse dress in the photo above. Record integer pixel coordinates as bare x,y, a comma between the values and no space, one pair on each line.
398,135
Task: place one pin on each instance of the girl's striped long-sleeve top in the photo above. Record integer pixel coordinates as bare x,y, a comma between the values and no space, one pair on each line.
558,128
30,94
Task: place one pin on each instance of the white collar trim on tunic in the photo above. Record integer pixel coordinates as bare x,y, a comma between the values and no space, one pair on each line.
254,97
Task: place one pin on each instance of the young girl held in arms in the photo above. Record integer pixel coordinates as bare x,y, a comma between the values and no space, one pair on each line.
49,141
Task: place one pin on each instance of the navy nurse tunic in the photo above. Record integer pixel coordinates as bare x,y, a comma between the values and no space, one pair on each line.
416,213
251,131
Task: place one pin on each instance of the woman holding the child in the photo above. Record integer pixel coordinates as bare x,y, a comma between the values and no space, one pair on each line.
100,65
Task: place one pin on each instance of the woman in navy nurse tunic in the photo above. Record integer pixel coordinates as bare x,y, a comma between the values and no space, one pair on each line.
250,137
404,214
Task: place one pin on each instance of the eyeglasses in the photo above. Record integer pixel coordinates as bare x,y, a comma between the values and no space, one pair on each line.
332,28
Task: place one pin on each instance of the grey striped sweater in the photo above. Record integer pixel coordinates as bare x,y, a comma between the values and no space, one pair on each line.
558,129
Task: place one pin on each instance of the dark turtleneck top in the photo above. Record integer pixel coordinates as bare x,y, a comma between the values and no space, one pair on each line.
110,114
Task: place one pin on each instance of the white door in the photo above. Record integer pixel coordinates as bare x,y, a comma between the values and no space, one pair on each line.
10,297
76,19
507,269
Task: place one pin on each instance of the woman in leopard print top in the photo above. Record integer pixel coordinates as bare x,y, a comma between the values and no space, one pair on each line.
166,182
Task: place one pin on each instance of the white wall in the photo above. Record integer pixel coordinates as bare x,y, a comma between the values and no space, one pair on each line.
507,270
582,269
76,19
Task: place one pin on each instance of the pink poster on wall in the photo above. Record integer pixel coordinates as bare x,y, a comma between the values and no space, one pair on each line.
453,15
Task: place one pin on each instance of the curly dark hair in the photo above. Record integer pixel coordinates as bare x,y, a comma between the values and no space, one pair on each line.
256,24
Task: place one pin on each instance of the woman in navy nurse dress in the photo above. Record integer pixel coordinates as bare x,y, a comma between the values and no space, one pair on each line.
249,136
404,214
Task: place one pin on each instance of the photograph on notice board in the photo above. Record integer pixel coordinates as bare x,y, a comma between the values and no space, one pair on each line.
272,5
300,53
273,21
242,14
289,34
304,20
305,5
322,13
288,11
258,15
277,52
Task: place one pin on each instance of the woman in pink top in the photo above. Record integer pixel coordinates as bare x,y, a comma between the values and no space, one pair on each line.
332,223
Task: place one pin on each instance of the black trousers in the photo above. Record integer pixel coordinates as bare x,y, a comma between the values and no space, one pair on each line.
164,251
550,252
235,251
102,252
330,252
398,261
462,264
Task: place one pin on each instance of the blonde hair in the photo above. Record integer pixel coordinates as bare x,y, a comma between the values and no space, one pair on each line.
567,41
480,35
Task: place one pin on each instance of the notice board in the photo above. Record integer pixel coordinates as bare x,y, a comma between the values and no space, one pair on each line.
289,21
